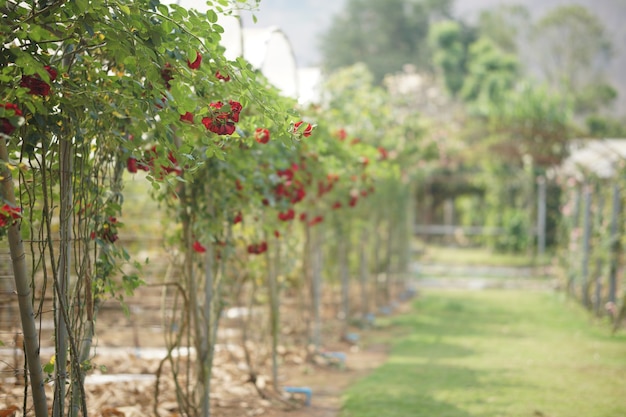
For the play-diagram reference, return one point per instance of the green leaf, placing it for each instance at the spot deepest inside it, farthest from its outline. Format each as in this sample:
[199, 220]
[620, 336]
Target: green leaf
[81, 5]
[211, 16]
[219, 154]
[49, 367]
[163, 9]
[181, 11]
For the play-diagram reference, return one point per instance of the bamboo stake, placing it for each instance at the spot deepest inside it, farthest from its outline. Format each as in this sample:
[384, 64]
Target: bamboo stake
[27, 316]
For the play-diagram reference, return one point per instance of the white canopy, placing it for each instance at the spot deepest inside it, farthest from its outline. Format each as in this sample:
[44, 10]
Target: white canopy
[310, 84]
[599, 156]
[267, 50]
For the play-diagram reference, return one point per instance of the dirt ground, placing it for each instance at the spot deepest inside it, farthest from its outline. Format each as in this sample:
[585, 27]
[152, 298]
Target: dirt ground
[129, 350]
[232, 393]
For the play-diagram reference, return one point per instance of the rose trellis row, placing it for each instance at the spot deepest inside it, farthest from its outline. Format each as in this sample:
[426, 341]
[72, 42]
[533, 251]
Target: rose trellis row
[591, 234]
[238, 169]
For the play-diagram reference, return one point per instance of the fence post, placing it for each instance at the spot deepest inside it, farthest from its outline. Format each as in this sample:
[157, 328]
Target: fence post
[584, 285]
[541, 215]
[597, 274]
[573, 255]
[615, 244]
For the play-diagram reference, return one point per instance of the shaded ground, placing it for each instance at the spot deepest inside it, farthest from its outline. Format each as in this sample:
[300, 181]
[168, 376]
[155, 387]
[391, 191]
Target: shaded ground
[129, 350]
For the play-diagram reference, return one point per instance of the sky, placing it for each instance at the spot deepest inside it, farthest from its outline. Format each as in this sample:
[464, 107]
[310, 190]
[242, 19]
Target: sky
[301, 20]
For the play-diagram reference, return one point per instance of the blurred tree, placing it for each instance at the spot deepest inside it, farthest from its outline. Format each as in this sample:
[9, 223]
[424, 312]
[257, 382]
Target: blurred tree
[605, 127]
[573, 51]
[505, 25]
[449, 48]
[491, 73]
[383, 34]
[525, 133]
[475, 70]
[531, 124]
[594, 97]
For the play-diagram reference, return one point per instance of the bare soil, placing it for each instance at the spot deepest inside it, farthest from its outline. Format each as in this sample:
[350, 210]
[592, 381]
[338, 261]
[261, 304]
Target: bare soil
[129, 349]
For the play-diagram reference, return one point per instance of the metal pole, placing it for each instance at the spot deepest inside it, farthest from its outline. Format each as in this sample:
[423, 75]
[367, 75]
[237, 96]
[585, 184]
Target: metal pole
[541, 216]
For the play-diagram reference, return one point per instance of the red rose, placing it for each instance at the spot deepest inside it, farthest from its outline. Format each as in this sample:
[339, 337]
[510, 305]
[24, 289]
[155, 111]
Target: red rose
[195, 64]
[238, 218]
[224, 78]
[257, 248]
[262, 135]
[316, 220]
[235, 109]
[9, 213]
[307, 130]
[219, 125]
[287, 215]
[6, 126]
[51, 72]
[187, 117]
[172, 158]
[235, 106]
[285, 173]
[197, 246]
[166, 75]
[299, 195]
[131, 165]
[216, 105]
[222, 123]
[36, 85]
[337, 205]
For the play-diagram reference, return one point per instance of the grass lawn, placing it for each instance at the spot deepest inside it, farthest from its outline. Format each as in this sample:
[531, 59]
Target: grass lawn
[495, 354]
[478, 256]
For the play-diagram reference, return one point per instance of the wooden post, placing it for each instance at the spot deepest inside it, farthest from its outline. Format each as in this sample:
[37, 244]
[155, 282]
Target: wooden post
[344, 274]
[541, 216]
[316, 286]
[364, 273]
[584, 284]
[615, 245]
[597, 276]
[571, 273]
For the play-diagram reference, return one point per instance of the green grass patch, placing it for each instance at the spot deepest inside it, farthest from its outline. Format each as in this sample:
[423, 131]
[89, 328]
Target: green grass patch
[478, 256]
[496, 353]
